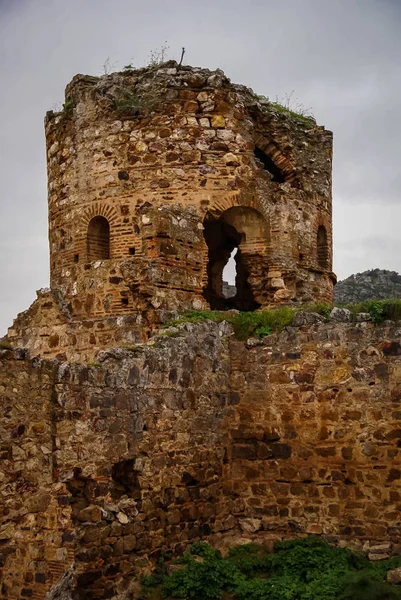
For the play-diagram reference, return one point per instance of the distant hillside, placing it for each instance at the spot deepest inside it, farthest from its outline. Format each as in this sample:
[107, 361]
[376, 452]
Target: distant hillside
[369, 285]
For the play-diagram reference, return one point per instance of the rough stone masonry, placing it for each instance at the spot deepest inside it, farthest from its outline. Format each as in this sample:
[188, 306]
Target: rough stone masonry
[112, 450]
[196, 435]
[155, 177]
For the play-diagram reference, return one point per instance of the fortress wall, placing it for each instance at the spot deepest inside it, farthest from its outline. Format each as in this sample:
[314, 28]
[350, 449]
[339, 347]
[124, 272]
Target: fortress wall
[197, 435]
[49, 329]
[316, 435]
[35, 547]
[142, 453]
[137, 446]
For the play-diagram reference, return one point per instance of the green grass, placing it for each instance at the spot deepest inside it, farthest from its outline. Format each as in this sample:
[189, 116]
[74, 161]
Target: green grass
[246, 324]
[293, 113]
[265, 322]
[319, 307]
[168, 333]
[68, 105]
[303, 569]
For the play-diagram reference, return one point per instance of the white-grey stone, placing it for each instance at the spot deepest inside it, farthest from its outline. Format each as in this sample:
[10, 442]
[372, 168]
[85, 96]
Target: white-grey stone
[306, 318]
[64, 588]
[340, 314]
[363, 317]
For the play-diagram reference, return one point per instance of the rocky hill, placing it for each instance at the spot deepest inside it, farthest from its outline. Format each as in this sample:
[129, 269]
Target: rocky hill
[369, 285]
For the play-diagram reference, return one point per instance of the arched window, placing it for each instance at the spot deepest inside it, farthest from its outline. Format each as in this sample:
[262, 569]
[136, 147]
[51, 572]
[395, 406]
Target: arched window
[322, 248]
[98, 239]
[237, 240]
[269, 165]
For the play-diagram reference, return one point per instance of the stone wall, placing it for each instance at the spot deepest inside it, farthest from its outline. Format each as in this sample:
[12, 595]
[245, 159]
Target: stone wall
[51, 330]
[128, 453]
[316, 430]
[196, 435]
[35, 520]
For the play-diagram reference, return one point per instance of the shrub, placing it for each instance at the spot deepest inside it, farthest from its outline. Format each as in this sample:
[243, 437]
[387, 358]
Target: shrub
[303, 569]
[363, 586]
[206, 575]
[380, 310]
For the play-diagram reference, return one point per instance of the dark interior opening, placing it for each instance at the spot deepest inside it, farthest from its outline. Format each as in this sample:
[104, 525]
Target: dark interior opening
[221, 239]
[125, 479]
[269, 165]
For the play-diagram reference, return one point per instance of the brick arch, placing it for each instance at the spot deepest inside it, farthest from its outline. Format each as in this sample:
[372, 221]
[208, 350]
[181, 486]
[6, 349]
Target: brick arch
[241, 198]
[282, 162]
[98, 209]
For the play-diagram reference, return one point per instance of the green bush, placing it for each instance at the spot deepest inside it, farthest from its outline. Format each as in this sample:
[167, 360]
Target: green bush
[303, 569]
[68, 105]
[379, 310]
[363, 586]
[206, 575]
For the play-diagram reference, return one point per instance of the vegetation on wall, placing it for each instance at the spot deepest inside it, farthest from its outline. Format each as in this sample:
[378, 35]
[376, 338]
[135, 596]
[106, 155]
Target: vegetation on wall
[265, 322]
[302, 569]
[246, 324]
[126, 102]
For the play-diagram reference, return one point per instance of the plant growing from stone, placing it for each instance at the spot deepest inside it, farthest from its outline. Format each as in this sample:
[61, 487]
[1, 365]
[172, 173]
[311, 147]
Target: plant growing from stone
[157, 56]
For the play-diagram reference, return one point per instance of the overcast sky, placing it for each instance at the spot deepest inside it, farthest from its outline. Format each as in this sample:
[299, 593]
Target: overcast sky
[340, 57]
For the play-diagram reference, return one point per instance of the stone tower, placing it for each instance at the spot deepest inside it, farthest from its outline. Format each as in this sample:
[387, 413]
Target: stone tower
[155, 177]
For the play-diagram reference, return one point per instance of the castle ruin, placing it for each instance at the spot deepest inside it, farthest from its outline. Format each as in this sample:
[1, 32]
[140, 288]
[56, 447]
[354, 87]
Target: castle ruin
[155, 177]
[115, 448]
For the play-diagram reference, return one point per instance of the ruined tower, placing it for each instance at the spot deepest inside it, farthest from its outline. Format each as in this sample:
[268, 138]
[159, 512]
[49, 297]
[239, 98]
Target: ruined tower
[155, 177]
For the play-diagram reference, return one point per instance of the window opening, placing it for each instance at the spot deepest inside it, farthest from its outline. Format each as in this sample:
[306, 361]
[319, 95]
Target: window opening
[269, 165]
[322, 248]
[223, 241]
[98, 239]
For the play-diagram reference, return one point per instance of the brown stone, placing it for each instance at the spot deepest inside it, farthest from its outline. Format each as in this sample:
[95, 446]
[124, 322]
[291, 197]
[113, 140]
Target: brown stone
[394, 576]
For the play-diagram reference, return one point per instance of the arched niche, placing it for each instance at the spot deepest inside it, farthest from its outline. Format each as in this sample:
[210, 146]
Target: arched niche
[322, 248]
[98, 239]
